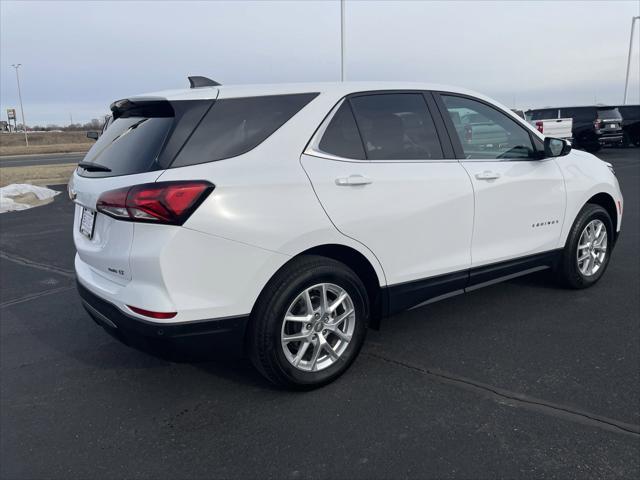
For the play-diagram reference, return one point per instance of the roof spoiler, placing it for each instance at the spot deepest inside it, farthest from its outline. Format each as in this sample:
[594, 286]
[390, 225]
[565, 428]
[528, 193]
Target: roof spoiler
[197, 82]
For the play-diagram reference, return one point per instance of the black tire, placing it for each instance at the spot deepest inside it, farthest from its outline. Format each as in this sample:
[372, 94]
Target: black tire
[264, 335]
[567, 270]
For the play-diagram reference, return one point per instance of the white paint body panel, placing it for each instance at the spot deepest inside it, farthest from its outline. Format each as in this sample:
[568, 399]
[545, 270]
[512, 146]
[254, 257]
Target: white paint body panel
[402, 214]
[517, 214]
[416, 219]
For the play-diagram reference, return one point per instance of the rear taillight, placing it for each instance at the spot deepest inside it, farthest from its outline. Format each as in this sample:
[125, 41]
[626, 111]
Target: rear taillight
[540, 126]
[162, 202]
[597, 123]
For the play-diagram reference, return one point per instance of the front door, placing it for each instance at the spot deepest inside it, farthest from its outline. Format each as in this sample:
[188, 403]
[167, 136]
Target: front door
[519, 198]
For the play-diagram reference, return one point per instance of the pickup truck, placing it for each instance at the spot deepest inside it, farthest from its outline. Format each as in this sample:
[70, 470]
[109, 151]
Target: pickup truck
[548, 122]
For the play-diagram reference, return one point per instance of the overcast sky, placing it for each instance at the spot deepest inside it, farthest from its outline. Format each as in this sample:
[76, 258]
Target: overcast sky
[77, 57]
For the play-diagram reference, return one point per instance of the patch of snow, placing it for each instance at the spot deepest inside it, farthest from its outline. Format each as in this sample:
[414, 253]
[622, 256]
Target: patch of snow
[41, 195]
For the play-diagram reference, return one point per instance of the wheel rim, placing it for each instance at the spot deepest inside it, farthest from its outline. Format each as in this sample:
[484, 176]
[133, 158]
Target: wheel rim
[592, 248]
[318, 327]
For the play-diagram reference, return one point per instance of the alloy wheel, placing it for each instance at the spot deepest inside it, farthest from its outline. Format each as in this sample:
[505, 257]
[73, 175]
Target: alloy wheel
[592, 248]
[318, 327]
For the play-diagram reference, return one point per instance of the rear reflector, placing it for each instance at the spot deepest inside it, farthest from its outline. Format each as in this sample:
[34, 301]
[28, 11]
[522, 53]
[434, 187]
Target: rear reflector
[150, 314]
[162, 202]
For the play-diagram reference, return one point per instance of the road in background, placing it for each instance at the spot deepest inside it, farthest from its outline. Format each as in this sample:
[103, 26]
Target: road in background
[518, 380]
[36, 160]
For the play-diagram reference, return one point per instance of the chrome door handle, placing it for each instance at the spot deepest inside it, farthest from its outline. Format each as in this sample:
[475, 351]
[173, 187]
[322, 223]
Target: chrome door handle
[487, 175]
[352, 180]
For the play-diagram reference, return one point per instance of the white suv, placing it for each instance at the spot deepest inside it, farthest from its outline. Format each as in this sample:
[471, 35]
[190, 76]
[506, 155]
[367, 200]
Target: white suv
[283, 220]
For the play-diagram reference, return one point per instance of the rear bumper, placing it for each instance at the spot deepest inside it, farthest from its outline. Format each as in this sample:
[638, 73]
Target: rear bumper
[201, 338]
[610, 138]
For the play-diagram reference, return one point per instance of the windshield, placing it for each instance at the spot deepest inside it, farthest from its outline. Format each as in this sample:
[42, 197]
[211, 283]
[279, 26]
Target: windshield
[130, 145]
[609, 114]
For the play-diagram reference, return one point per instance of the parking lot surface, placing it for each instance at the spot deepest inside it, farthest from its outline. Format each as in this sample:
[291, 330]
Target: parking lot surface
[521, 379]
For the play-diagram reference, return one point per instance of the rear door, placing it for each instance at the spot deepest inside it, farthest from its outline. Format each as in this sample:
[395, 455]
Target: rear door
[519, 199]
[386, 180]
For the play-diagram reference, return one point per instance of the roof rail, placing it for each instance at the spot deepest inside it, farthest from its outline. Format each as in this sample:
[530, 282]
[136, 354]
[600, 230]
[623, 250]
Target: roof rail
[197, 82]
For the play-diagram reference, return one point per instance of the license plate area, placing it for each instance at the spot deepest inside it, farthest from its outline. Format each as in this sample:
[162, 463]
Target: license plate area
[87, 222]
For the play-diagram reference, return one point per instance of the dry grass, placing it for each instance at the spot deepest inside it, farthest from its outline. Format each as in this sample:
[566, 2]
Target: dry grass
[37, 175]
[60, 148]
[43, 138]
[44, 142]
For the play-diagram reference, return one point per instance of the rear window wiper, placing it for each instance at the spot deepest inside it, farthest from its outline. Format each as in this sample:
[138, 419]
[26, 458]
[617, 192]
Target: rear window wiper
[93, 167]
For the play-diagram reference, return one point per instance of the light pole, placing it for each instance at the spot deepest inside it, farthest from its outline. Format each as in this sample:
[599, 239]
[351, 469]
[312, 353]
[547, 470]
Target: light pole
[24, 125]
[342, 5]
[626, 81]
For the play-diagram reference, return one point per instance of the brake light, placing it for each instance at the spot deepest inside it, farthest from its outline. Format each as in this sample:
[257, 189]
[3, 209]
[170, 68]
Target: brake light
[162, 202]
[150, 314]
[597, 123]
[540, 126]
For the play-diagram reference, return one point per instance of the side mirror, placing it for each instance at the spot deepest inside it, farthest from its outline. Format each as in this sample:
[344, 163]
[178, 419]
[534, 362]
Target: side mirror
[93, 135]
[556, 147]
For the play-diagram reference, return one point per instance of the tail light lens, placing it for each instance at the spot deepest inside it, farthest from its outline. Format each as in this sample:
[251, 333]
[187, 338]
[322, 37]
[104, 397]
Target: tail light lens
[540, 126]
[597, 123]
[162, 202]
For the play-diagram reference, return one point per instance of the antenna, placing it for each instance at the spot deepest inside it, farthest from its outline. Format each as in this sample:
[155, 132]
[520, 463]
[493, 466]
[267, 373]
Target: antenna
[197, 82]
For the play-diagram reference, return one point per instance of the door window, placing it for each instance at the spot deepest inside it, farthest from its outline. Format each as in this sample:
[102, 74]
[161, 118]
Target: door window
[341, 138]
[487, 133]
[396, 126]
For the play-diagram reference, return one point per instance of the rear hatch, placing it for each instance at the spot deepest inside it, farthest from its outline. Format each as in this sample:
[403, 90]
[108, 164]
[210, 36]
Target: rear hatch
[132, 151]
[609, 121]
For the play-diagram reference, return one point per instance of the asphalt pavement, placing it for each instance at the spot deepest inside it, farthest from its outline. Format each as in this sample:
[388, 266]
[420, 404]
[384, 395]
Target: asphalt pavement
[40, 159]
[521, 379]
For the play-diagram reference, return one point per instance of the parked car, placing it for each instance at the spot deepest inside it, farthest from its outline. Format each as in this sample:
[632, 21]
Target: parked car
[283, 220]
[593, 126]
[548, 122]
[630, 124]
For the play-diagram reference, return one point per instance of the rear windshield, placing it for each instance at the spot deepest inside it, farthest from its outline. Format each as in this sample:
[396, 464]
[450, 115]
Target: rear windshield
[151, 136]
[129, 145]
[609, 113]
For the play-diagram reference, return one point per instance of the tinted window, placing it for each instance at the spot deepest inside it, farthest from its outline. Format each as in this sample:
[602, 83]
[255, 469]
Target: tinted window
[341, 137]
[485, 132]
[630, 112]
[609, 113]
[579, 114]
[235, 126]
[545, 114]
[396, 127]
[129, 145]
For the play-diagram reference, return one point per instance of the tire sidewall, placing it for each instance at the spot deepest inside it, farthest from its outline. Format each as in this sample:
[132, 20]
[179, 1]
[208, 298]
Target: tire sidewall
[341, 277]
[592, 212]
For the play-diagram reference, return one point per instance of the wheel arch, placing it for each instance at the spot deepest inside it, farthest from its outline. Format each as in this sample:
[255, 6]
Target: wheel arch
[357, 262]
[607, 202]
